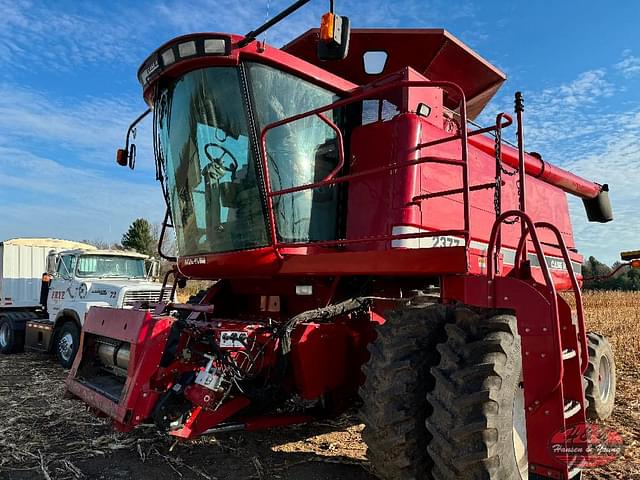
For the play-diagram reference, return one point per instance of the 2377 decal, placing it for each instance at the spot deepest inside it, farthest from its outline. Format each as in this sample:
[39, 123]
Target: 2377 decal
[443, 242]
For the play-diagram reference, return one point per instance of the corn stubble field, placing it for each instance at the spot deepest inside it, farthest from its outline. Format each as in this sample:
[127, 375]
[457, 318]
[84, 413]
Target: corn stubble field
[45, 436]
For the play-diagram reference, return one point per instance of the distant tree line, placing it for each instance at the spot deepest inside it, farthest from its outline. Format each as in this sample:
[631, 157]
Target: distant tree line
[594, 272]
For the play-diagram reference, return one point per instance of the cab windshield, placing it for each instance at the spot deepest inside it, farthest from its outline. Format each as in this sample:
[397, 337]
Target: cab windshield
[110, 266]
[210, 169]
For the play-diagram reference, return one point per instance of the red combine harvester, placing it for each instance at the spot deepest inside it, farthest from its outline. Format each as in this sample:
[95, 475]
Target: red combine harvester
[371, 247]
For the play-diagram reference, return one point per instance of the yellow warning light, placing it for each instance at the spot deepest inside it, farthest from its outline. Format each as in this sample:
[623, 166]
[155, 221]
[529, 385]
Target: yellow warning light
[327, 27]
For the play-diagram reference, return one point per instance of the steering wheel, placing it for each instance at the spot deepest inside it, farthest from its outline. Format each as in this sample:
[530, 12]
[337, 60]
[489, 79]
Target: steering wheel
[218, 159]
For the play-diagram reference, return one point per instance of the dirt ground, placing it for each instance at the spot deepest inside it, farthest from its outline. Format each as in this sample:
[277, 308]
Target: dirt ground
[45, 436]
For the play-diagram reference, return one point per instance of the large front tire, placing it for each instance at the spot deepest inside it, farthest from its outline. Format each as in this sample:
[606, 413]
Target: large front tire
[398, 378]
[67, 342]
[478, 422]
[600, 378]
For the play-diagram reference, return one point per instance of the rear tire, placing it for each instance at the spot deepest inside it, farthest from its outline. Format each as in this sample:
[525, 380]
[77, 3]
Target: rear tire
[600, 378]
[478, 424]
[398, 378]
[11, 340]
[67, 342]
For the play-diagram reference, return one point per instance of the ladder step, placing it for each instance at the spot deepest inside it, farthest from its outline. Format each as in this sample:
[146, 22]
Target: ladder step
[571, 408]
[568, 353]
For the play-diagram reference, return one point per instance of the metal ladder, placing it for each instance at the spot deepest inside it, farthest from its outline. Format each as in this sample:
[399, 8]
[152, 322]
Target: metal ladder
[551, 343]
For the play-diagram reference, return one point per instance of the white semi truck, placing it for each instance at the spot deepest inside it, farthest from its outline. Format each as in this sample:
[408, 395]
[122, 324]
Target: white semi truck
[47, 286]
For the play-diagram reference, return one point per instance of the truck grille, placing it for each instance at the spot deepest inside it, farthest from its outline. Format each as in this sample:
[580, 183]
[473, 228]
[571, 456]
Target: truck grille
[133, 297]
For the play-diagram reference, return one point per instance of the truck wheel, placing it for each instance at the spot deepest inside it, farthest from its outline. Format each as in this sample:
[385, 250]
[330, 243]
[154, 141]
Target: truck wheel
[394, 393]
[601, 378]
[478, 421]
[11, 340]
[67, 342]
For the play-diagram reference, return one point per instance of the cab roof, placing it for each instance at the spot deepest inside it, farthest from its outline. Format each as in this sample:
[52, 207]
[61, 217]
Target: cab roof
[48, 243]
[435, 53]
[115, 253]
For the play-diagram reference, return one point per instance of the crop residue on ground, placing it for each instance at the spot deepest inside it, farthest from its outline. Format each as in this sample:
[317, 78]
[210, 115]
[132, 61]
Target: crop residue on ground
[43, 435]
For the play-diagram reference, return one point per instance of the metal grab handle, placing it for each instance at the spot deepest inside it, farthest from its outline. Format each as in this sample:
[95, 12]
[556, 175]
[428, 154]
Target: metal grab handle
[339, 137]
[530, 229]
[463, 136]
[498, 126]
[340, 165]
[574, 284]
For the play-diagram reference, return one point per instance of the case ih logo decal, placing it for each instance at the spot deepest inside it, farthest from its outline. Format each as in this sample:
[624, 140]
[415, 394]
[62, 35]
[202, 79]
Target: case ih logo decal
[587, 445]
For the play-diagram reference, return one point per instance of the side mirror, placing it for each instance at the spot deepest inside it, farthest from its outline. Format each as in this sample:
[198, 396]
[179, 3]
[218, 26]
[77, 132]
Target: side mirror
[335, 32]
[122, 157]
[155, 269]
[152, 267]
[52, 263]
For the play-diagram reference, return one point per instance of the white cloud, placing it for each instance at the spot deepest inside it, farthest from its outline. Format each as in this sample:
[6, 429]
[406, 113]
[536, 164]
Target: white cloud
[574, 126]
[42, 197]
[92, 127]
[61, 39]
[241, 17]
[629, 65]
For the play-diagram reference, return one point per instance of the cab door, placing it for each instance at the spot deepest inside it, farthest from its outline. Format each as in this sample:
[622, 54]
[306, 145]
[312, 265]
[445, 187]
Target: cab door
[60, 291]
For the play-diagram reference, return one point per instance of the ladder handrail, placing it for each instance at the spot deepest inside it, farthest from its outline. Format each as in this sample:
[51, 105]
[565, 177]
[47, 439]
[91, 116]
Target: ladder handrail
[574, 285]
[492, 257]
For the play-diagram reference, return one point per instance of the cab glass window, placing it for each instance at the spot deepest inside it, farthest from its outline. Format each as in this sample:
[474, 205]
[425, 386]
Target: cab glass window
[211, 173]
[66, 266]
[298, 153]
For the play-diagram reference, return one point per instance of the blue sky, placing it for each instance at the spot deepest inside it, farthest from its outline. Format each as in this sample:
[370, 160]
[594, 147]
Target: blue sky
[68, 91]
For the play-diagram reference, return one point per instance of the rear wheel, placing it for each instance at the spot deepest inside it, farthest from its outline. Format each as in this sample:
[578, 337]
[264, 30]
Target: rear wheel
[478, 421]
[67, 342]
[600, 378]
[398, 378]
[11, 340]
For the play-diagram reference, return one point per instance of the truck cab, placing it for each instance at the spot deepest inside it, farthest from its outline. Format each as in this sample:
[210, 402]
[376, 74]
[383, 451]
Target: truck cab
[81, 279]
[48, 315]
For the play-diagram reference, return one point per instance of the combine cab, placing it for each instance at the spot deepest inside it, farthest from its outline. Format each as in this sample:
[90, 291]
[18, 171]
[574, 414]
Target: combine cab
[369, 242]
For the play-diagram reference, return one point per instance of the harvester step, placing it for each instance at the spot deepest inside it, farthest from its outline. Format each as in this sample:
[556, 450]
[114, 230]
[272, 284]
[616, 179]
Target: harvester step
[571, 408]
[568, 353]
